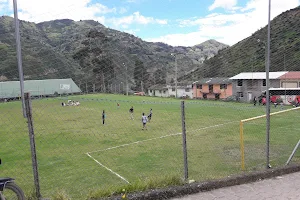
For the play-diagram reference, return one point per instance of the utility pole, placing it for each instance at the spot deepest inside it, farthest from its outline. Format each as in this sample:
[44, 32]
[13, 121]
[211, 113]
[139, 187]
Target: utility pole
[175, 73]
[19, 55]
[175, 76]
[142, 87]
[126, 79]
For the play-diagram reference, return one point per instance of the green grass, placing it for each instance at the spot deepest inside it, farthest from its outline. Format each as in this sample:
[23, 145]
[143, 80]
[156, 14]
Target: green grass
[64, 136]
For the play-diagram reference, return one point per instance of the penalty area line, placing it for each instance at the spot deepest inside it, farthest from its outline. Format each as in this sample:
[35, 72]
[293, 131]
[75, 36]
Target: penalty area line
[115, 147]
[156, 138]
[121, 177]
[140, 141]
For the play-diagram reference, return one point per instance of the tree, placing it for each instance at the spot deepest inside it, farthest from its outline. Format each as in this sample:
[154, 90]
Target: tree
[172, 81]
[160, 76]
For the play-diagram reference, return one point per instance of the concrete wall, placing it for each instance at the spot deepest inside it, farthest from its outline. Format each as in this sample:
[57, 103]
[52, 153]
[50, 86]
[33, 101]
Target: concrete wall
[251, 88]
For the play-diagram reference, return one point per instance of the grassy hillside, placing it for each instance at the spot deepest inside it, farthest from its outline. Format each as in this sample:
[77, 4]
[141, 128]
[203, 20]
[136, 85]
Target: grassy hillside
[248, 55]
[93, 54]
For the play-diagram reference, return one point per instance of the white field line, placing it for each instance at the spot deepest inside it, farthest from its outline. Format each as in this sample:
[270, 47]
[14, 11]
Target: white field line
[88, 153]
[140, 141]
[207, 127]
[121, 177]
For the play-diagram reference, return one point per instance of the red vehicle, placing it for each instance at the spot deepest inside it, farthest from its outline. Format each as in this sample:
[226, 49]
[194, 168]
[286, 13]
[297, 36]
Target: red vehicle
[286, 95]
[139, 93]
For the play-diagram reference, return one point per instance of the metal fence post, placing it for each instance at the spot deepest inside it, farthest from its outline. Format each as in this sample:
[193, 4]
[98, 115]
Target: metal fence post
[32, 144]
[268, 93]
[184, 141]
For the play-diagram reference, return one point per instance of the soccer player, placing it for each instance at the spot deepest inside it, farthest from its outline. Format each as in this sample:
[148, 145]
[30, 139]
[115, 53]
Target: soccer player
[103, 117]
[150, 115]
[131, 113]
[254, 100]
[144, 120]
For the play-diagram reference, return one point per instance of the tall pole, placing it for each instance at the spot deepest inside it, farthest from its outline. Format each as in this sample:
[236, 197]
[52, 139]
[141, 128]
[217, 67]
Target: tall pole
[142, 86]
[175, 76]
[126, 80]
[268, 93]
[19, 55]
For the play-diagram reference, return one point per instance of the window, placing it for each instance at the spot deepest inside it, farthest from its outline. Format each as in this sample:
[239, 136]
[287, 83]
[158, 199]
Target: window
[173, 89]
[240, 94]
[199, 86]
[239, 82]
[264, 83]
[211, 88]
[164, 92]
[150, 91]
[187, 89]
[223, 86]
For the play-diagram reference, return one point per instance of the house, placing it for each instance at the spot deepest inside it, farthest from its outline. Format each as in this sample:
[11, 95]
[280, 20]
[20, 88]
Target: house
[212, 88]
[246, 85]
[290, 80]
[184, 90]
[48, 87]
[158, 91]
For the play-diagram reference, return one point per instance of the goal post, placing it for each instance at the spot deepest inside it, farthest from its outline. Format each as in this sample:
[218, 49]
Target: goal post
[242, 146]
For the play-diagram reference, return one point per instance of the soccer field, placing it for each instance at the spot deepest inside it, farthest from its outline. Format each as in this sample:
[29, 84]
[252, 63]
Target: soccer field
[77, 153]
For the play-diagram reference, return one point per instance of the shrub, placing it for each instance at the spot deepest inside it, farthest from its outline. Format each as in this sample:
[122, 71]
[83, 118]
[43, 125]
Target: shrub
[55, 94]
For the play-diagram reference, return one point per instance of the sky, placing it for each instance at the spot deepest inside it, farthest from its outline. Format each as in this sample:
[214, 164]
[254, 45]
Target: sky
[174, 22]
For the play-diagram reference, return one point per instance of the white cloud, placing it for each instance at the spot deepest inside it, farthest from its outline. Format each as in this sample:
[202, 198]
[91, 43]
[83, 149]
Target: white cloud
[136, 18]
[189, 39]
[161, 21]
[228, 28]
[132, 31]
[42, 10]
[226, 4]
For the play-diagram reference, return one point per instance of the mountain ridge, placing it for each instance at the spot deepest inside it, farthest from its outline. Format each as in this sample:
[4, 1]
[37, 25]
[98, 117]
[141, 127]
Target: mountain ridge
[90, 53]
[248, 55]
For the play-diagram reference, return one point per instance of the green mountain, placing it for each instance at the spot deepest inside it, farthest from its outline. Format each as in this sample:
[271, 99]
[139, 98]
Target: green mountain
[248, 55]
[96, 57]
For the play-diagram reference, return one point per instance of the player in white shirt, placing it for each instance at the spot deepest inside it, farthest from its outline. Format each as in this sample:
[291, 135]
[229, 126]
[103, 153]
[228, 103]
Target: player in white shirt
[144, 120]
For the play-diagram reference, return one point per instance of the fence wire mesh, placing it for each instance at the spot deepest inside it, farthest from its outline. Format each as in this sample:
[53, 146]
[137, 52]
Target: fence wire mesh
[84, 79]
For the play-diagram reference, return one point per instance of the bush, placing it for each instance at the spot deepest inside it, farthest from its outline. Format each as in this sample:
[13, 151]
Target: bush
[55, 94]
[231, 98]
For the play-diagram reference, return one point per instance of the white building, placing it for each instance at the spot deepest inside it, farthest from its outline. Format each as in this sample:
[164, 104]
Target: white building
[183, 90]
[158, 91]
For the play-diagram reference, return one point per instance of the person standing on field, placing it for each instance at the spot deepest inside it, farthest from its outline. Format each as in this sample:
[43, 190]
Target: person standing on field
[131, 113]
[103, 117]
[144, 120]
[254, 100]
[150, 115]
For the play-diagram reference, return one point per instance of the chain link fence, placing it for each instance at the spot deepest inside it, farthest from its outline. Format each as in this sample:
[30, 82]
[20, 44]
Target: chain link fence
[88, 141]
